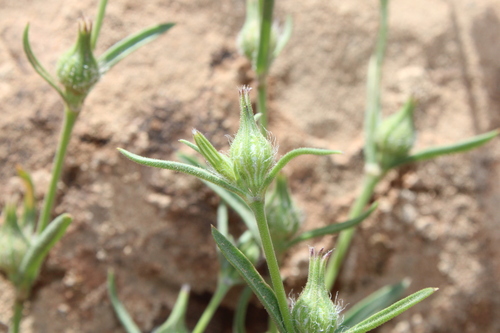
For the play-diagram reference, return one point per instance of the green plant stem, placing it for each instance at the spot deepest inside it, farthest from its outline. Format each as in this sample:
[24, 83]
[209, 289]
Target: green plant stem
[48, 204]
[266, 14]
[218, 296]
[345, 237]
[272, 263]
[17, 316]
[263, 57]
[262, 101]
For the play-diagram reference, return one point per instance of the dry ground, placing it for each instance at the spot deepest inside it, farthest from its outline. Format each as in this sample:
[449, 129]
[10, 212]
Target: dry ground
[438, 221]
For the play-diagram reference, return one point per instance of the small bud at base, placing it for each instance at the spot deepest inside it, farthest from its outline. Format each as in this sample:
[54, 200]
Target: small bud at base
[314, 311]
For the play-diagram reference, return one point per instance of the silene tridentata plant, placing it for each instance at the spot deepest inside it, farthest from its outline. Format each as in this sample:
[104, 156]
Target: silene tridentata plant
[247, 171]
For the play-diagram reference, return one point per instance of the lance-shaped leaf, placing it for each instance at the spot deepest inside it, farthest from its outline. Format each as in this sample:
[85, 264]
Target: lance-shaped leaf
[458, 147]
[129, 44]
[39, 248]
[374, 303]
[36, 64]
[96, 27]
[121, 312]
[284, 37]
[333, 228]
[176, 320]
[291, 155]
[181, 167]
[394, 310]
[191, 145]
[11, 223]
[29, 213]
[255, 281]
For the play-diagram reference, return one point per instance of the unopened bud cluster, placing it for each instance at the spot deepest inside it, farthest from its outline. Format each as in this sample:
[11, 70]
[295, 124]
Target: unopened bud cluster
[395, 136]
[251, 155]
[314, 310]
[77, 69]
[249, 37]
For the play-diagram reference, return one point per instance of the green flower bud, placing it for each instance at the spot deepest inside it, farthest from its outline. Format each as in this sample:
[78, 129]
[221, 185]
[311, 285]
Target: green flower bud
[395, 136]
[13, 244]
[77, 69]
[219, 162]
[251, 152]
[314, 311]
[249, 36]
[283, 217]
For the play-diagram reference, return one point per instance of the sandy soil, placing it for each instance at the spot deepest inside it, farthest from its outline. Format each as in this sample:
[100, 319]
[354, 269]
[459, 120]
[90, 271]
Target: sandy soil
[438, 221]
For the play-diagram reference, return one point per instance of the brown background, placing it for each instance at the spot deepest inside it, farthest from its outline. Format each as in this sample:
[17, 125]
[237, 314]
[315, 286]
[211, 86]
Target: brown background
[438, 221]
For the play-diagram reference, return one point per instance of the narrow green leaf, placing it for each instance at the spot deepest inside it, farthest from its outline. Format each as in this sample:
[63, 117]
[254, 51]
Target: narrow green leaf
[191, 145]
[291, 155]
[374, 303]
[176, 322]
[11, 223]
[458, 147]
[394, 310]
[40, 247]
[184, 168]
[29, 213]
[122, 314]
[129, 44]
[36, 64]
[96, 28]
[241, 311]
[284, 36]
[333, 228]
[255, 281]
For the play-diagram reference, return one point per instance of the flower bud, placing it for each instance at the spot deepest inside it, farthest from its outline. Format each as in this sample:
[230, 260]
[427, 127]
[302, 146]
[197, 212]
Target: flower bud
[251, 152]
[77, 69]
[249, 37]
[395, 136]
[283, 217]
[219, 162]
[314, 311]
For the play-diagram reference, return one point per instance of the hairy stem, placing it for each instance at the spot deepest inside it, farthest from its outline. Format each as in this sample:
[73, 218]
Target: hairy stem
[345, 237]
[272, 263]
[48, 204]
[218, 296]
